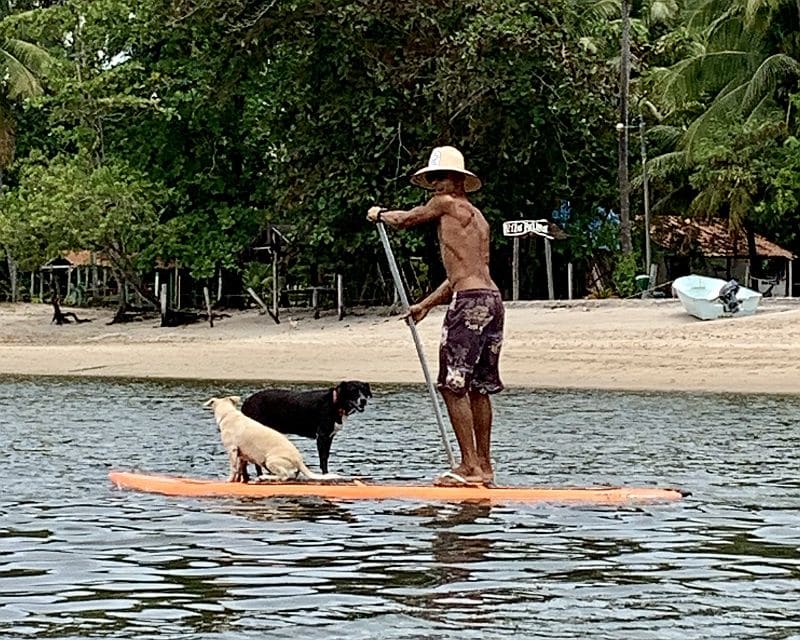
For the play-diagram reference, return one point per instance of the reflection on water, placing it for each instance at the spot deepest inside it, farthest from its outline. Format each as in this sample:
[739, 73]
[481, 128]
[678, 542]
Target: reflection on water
[80, 559]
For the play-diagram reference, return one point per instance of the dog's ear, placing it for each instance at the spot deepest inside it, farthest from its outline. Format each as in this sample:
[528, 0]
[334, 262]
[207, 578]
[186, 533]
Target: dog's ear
[367, 390]
[235, 400]
[210, 402]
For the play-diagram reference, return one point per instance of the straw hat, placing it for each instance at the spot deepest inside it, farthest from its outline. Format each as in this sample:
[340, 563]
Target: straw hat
[446, 159]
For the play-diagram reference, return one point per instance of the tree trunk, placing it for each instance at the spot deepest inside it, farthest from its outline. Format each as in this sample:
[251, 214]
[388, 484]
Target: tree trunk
[12, 275]
[624, 90]
[122, 305]
[125, 277]
[62, 317]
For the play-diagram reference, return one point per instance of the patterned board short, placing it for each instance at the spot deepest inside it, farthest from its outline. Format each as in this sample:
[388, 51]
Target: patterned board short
[472, 335]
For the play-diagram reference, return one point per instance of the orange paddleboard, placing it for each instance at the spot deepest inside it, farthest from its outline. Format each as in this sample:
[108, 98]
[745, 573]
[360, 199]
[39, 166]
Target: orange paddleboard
[355, 490]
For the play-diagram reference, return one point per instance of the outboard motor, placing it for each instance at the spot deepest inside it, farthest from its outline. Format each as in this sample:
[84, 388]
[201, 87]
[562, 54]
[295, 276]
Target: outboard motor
[727, 296]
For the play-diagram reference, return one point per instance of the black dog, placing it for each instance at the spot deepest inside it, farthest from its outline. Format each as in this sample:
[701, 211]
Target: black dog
[311, 414]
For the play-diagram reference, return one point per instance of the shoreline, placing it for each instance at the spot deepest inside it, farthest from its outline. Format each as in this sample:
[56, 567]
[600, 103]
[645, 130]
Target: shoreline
[634, 345]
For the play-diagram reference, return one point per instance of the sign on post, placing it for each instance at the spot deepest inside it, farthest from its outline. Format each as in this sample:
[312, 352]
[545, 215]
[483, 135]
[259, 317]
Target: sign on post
[519, 228]
[515, 228]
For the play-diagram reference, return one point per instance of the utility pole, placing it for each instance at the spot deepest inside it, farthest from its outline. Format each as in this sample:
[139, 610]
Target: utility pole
[622, 128]
[646, 193]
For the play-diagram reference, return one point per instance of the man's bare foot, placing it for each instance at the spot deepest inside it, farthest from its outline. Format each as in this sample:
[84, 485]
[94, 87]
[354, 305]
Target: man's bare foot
[466, 470]
[460, 476]
[452, 479]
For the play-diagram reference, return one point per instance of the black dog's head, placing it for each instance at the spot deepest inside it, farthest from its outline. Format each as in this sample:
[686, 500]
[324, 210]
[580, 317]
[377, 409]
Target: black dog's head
[351, 396]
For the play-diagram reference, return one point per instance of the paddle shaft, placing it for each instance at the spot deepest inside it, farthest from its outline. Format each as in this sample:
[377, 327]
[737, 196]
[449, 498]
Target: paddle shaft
[401, 291]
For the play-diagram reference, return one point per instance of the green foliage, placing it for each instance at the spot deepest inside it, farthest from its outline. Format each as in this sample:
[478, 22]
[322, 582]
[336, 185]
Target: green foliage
[778, 211]
[258, 276]
[179, 131]
[69, 204]
[727, 90]
[627, 267]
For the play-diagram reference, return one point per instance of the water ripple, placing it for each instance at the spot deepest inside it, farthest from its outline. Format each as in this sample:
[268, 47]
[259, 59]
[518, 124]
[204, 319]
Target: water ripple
[80, 559]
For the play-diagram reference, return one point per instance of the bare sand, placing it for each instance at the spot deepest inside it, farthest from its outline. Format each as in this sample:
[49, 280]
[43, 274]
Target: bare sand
[601, 344]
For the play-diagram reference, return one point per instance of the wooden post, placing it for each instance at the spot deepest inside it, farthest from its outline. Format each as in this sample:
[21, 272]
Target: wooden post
[339, 296]
[258, 300]
[13, 274]
[315, 301]
[569, 281]
[219, 285]
[790, 283]
[208, 307]
[262, 304]
[69, 280]
[33, 283]
[515, 270]
[156, 286]
[163, 300]
[94, 275]
[275, 287]
[548, 256]
[653, 276]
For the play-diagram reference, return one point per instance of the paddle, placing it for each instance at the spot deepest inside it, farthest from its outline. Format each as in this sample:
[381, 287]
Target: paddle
[401, 291]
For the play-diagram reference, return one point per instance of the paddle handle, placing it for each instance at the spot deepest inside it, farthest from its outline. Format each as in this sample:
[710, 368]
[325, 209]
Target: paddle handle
[401, 291]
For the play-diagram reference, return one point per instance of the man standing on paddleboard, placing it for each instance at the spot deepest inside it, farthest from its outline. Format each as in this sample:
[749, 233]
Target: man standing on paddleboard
[472, 332]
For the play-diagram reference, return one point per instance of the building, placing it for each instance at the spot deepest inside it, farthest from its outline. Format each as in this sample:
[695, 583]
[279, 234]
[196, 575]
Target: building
[710, 248]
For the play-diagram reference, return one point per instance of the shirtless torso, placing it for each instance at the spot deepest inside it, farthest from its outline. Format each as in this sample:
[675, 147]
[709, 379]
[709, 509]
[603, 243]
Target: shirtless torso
[464, 243]
[463, 240]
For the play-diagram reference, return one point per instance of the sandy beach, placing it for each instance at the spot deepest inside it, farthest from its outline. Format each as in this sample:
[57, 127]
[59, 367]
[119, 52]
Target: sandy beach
[602, 344]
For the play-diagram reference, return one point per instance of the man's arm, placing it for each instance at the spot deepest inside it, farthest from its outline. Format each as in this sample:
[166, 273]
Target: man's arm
[441, 295]
[400, 219]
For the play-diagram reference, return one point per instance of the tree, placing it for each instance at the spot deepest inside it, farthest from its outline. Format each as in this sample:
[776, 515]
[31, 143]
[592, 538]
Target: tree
[71, 204]
[303, 113]
[22, 66]
[727, 103]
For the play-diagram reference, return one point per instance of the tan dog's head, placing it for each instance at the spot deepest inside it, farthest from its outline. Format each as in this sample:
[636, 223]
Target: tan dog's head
[222, 405]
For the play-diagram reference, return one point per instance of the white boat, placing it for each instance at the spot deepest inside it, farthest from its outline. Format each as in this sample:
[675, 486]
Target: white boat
[711, 298]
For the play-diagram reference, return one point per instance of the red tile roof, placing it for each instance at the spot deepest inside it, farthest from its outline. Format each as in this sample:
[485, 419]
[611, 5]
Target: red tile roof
[712, 238]
[84, 258]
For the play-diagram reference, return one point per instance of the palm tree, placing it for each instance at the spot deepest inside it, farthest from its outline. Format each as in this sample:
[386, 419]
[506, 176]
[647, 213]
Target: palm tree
[725, 99]
[22, 64]
[739, 62]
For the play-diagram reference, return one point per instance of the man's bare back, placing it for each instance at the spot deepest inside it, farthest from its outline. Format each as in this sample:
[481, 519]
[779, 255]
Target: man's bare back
[463, 238]
[464, 243]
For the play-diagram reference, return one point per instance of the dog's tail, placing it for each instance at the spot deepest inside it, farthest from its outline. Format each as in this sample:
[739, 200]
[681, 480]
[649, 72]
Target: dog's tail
[311, 475]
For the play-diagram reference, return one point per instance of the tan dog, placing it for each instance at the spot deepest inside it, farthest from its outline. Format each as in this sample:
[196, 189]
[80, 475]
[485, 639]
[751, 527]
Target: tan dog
[249, 441]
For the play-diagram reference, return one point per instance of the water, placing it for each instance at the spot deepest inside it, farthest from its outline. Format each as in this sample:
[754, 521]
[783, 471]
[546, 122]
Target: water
[79, 559]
